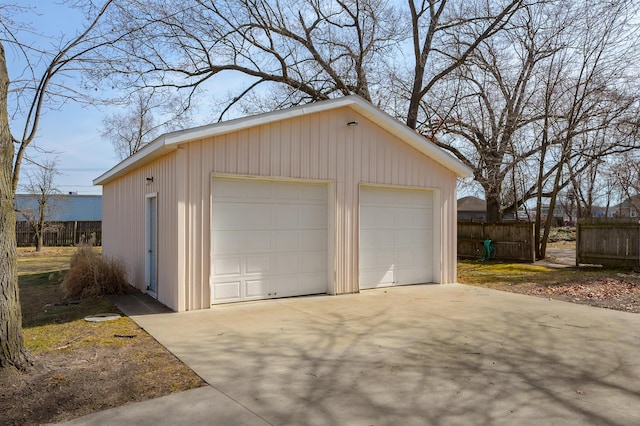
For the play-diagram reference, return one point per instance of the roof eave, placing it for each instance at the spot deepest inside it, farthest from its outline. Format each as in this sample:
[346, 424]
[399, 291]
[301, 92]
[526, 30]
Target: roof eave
[170, 141]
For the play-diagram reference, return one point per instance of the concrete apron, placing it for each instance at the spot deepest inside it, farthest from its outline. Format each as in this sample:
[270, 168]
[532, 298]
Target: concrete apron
[429, 354]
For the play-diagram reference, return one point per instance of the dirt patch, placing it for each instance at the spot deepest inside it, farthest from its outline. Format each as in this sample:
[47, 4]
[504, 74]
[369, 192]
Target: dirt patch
[593, 286]
[622, 294]
[84, 374]
[80, 367]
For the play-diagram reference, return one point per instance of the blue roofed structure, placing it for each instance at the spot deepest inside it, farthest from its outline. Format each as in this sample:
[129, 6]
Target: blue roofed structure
[62, 208]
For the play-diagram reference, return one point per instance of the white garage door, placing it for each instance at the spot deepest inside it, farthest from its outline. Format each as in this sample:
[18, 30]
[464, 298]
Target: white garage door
[269, 239]
[396, 237]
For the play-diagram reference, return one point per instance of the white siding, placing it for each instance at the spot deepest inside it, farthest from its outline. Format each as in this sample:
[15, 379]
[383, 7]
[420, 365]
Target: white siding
[317, 146]
[123, 225]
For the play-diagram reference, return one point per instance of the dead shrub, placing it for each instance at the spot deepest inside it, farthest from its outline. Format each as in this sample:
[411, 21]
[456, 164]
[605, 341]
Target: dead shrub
[92, 275]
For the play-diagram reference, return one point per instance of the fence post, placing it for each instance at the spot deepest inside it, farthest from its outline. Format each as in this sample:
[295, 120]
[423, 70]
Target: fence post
[532, 246]
[577, 242]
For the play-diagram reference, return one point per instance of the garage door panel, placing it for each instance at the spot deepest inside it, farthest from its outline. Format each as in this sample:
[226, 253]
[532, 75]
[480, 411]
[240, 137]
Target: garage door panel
[376, 259]
[403, 238]
[404, 218]
[237, 216]
[286, 263]
[367, 241]
[255, 218]
[403, 258]
[314, 240]
[377, 278]
[223, 266]
[368, 259]
[253, 190]
[258, 264]
[396, 237]
[257, 288]
[229, 242]
[316, 262]
[284, 192]
[312, 217]
[227, 291]
[422, 238]
[257, 241]
[385, 237]
[236, 189]
[285, 240]
[269, 239]
[228, 215]
[286, 285]
[411, 275]
[308, 283]
[373, 239]
[316, 195]
[286, 217]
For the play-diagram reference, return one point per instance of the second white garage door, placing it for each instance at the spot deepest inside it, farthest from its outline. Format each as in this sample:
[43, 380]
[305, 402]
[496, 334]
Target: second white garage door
[396, 237]
[269, 239]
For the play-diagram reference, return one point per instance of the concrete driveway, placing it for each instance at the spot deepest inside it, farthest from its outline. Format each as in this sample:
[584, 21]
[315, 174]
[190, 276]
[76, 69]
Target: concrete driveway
[430, 354]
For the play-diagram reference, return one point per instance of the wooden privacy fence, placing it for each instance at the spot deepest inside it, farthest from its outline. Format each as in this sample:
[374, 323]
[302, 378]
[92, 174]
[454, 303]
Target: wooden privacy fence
[611, 242]
[60, 233]
[513, 240]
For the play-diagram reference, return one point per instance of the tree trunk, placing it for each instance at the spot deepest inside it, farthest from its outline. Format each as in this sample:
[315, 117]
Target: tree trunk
[12, 350]
[492, 196]
[40, 230]
[39, 242]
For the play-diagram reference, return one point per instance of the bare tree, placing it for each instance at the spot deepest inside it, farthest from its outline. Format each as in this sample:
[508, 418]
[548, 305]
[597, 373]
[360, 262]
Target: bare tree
[33, 95]
[624, 173]
[488, 117]
[443, 35]
[149, 114]
[537, 106]
[294, 52]
[44, 199]
[587, 99]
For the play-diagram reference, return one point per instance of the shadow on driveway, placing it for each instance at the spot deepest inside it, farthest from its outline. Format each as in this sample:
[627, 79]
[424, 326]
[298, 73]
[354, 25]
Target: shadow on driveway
[427, 354]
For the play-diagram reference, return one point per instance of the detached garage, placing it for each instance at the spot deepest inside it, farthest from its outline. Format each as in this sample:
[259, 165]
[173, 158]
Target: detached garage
[327, 198]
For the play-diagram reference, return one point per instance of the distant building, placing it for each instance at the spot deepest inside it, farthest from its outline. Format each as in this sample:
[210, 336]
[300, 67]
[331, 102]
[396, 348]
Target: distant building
[472, 208]
[628, 208]
[64, 207]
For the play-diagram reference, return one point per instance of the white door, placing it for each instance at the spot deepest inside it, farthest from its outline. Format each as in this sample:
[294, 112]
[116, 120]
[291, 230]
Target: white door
[268, 238]
[396, 237]
[151, 273]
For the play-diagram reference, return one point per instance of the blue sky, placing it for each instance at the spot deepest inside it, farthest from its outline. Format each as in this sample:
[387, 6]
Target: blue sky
[72, 134]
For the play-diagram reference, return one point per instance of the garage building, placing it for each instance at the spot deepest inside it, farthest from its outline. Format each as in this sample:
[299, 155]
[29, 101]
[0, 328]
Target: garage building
[326, 198]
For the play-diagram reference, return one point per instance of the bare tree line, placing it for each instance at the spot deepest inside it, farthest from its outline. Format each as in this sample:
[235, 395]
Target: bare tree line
[527, 94]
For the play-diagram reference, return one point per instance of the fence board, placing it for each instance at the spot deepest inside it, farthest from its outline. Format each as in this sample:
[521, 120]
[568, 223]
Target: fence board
[514, 240]
[613, 242]
[60, 233]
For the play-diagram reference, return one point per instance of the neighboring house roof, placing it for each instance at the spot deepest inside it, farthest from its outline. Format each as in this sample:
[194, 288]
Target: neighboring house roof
[170, 141]
[633, 201]
[64, 207]
[472, 204]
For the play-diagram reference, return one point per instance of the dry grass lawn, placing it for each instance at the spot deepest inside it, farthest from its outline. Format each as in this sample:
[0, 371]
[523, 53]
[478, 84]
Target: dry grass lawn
[594, 286]
[80, 367]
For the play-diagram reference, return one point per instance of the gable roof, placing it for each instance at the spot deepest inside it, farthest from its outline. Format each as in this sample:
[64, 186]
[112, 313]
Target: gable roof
[472, 204]
[633, 201]
[170, 141]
